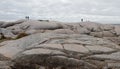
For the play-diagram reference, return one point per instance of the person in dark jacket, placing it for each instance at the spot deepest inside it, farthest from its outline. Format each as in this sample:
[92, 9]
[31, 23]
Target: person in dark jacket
[27, 17]
[82, 20]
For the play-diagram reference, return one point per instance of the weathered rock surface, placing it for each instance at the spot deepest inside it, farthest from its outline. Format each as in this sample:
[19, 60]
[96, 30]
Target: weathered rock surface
[56, 50]
[63, 31]
[8, 24]
[115, 40]
[51, 45]
[5, 33]
[117, 30]
[89, 28]
[34, 24]
[94, 29]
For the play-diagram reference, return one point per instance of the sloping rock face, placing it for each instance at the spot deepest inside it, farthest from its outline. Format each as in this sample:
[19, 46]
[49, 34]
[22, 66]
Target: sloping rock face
[60, 51]
[6, 33]
[62, 31]
[8, 24]
[116, 40]
[39, 44]
[13, 29]
[37, 25]
[32, 26]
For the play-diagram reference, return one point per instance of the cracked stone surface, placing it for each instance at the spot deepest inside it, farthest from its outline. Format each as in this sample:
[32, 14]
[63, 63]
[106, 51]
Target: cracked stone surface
[50, 46]
[54, 50]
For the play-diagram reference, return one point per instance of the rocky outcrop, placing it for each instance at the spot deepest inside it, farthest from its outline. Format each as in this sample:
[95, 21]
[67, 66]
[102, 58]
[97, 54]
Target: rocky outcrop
[89, 28]
[57, 51]
[95, 29]
[51, 45]
[33, 24]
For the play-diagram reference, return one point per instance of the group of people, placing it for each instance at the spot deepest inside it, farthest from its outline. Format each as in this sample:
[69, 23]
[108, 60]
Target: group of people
[27, 17]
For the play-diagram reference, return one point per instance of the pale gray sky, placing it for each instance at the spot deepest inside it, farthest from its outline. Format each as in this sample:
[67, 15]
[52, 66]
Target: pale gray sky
[105, 11]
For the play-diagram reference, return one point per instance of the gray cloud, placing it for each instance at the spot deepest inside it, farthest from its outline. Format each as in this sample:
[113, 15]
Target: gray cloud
[62, 10]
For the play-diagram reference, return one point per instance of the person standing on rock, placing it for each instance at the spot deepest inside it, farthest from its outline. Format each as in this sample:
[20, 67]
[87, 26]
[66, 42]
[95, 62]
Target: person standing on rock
[82, 20]
[27, 17]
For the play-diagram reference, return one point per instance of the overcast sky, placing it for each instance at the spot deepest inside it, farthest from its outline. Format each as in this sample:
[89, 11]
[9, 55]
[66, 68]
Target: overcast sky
[105, 11]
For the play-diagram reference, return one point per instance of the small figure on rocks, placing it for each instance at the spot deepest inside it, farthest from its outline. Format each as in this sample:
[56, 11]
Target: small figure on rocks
[82, 20]
[27, 17]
